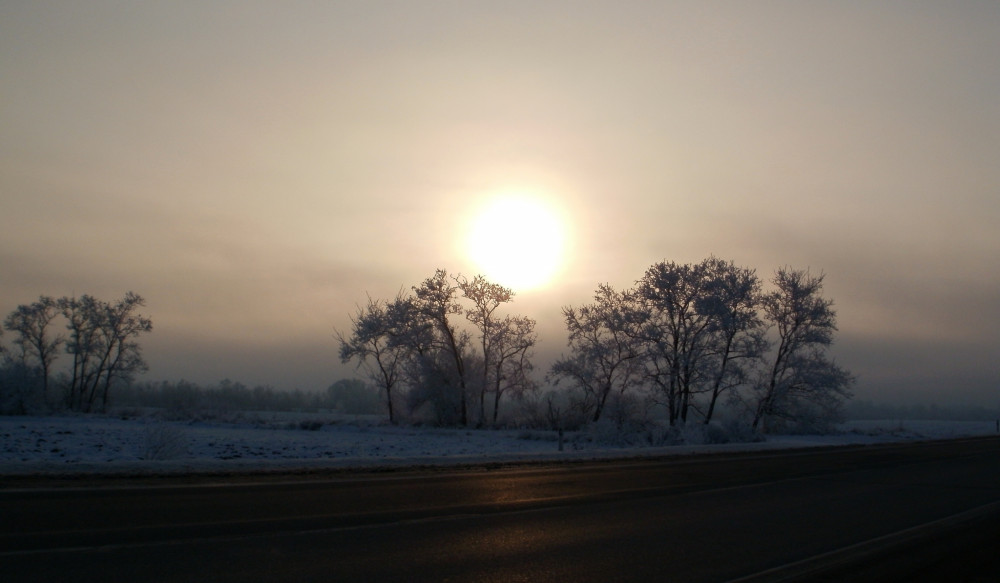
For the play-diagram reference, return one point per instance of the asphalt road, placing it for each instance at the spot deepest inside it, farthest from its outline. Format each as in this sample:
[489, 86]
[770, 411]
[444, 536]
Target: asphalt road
[927, 511]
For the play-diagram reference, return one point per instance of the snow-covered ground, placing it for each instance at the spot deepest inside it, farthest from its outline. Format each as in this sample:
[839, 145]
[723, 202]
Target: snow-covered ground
[266, 441]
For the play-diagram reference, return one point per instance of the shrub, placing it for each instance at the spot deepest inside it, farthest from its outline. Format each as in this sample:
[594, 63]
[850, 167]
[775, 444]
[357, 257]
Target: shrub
[163, 441]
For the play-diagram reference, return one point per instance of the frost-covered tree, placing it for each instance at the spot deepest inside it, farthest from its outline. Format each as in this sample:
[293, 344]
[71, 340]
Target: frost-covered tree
[436, 302]
[372, 343]
[800, 380]
[736, 329]
[604, 353]
[676, 332]
[700, 332]
[505, 343]
[485, 297]
[510, 364]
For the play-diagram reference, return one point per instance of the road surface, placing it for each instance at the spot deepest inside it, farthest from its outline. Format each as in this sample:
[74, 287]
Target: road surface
[876, 513]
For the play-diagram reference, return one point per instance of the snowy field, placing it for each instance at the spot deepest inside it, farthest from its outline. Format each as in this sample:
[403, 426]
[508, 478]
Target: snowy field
[284, 441]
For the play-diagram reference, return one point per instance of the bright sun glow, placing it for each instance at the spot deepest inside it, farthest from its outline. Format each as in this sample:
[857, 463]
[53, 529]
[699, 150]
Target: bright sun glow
[517, 241]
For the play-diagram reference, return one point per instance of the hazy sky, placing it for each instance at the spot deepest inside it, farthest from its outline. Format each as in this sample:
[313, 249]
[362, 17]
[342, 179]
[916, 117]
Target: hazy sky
[255, 168]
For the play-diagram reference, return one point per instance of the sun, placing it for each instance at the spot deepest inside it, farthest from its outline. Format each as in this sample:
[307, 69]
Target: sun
[517, 241]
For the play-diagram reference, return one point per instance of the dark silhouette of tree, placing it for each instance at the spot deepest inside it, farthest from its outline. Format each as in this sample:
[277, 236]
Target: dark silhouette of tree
[372, 343]
[37, 346]
[513, 340]
[505, 342]
[737, 332]
[435, 302]
[700, 332]
[486, 297]
[101, 342]
[676, 331]
[800, 376]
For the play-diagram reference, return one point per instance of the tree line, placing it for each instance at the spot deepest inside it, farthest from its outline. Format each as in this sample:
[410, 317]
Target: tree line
[684, 340]
[188, 400]
[100, 340]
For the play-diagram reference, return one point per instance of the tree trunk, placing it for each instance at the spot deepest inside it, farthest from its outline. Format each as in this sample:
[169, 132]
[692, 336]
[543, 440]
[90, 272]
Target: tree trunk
[718, 379]
[496, 406]
[482, 407]
[600, 403]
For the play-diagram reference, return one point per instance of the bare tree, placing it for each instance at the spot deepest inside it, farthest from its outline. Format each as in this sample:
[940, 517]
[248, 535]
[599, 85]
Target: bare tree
[486, 297]
[123, 355]
[371, 343]
[737, 332]
[511, 346]
[435, 302]
[676, 331]
[82, 316]
[700, 332]
[102, 344]
[800, 375]
[37, 347]
[603, 350]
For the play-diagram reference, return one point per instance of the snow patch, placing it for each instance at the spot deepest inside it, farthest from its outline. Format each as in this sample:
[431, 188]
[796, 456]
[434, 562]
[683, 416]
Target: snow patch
[97, 445]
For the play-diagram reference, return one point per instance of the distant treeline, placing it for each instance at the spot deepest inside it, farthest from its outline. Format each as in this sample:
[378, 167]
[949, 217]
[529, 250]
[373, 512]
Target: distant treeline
[350, 396]
[860, 409]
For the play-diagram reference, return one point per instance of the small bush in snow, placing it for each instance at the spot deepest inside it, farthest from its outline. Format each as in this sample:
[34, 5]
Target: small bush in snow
[659, 433]
[163, 441]
[729, 431]
[131, 413]
[739, 431]
[697, 433]
[538, 435]
[619, 432]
